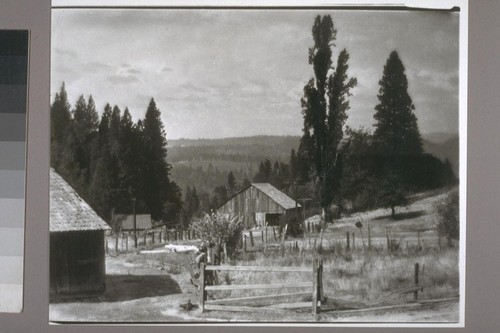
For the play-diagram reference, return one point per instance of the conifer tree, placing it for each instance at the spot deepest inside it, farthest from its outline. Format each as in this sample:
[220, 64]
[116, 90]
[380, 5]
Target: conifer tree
[60, 120]
[397, 137]
[396, 129]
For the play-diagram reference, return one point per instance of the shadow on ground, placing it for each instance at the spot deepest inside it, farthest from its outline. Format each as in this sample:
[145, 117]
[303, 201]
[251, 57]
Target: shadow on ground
[121, 288]
[402, 216]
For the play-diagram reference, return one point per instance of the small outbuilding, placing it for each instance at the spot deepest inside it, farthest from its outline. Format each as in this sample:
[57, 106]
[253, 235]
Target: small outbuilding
[259, 204]
[142, 222]
[77, 254]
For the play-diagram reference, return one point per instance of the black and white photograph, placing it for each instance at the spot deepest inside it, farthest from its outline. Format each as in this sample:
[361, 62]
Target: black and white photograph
[261, 165]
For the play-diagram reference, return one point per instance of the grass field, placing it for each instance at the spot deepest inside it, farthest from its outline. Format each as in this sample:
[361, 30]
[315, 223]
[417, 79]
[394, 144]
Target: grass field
[151, 287]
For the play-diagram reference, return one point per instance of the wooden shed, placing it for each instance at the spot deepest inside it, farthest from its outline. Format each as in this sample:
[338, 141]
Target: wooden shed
[77, 254]
[142, 222]
[258, 204]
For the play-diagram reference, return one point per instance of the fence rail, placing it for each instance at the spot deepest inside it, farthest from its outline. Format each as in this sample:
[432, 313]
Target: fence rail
[315, 283]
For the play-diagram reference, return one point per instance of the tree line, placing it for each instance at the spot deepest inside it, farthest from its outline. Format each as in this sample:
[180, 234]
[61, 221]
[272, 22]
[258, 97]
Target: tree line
[113, 163]
[342, 168]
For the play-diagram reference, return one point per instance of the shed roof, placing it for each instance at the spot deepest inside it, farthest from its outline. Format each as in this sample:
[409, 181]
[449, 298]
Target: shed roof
[276, 195]
[68, 211]
[142, 221]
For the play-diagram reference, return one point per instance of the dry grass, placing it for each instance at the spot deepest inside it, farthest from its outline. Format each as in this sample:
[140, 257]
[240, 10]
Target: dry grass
[361, 275]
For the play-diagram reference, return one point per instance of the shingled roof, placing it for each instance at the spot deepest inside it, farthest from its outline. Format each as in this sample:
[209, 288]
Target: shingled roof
[68, 211]
[276, 195]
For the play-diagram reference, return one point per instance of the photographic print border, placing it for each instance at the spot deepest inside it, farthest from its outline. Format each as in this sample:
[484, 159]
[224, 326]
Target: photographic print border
[375, 5]
[483, 179]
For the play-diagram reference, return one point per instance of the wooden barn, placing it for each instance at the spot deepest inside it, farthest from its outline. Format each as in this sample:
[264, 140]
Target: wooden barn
[259, 204]
[142, 222]
[77, 254]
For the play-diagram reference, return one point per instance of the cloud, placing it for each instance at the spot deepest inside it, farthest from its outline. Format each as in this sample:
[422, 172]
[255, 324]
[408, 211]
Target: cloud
[167, 70]
[122, 79]
[246, 66]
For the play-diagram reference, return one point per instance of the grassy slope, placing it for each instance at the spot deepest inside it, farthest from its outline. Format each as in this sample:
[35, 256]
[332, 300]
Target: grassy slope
[354, 278]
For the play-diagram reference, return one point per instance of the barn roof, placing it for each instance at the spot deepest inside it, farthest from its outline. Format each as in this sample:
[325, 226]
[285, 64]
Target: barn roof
[142, 221]
[276, 195]
[68, 211]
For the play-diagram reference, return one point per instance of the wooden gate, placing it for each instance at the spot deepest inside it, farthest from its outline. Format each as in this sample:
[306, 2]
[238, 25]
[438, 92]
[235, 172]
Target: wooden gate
[315, 282]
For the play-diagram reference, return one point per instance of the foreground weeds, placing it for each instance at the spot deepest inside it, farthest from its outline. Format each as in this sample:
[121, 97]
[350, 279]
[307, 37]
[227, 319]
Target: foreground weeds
[370, 278]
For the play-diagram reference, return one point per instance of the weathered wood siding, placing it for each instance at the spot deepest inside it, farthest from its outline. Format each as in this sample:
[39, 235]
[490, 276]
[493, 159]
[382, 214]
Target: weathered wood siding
[77, 262]
[249, 202]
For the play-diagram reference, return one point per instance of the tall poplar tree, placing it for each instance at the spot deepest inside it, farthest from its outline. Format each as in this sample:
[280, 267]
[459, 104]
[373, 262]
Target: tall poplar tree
[324, 107]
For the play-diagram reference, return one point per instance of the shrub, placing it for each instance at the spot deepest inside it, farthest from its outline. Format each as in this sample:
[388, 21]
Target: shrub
[295, 225]
[216, 229]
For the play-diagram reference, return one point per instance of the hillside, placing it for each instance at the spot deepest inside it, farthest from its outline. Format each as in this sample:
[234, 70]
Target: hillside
[443, 149]
[205, 163]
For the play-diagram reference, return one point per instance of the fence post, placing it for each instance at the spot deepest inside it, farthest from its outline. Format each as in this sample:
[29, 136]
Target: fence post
[107, 249]
[145, 238]
[153, 239]
[353, 241]
[225, 253]
[116, 243]
[415, 293]
[315, 288]
[126, 243]
[321, 296]
[202, 287]
[244, 243]
[262, 235]
[265, 239]
[251, 238]
[388, 240]
[274, 233]
[321, 240]
[369, 238]
[347, 236]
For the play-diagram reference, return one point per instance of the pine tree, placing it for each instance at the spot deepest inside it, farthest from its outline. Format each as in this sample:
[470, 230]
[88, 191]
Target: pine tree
[161, 196]
[396, 129]
[231, 183]
[397, 137]
[60, 121]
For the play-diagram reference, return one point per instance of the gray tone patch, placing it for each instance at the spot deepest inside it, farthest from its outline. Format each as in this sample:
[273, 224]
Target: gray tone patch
[13, 98]
[11, 242]
[12, 127]
[12, 155]
[12, 213]
[11, 184]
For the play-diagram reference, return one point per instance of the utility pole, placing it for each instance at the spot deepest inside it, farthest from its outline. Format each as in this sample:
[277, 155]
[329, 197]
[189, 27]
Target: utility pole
[303, 201]
[135, 222]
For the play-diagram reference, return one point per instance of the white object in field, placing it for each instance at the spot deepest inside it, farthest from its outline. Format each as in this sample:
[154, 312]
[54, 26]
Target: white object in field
[174, 248]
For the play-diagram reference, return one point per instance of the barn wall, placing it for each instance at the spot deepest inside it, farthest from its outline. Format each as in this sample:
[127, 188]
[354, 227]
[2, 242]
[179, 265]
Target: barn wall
[77, 262]
[249, 202]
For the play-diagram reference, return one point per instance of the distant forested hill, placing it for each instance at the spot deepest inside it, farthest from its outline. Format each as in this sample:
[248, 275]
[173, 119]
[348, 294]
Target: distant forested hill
[205, 163]
[443, 147]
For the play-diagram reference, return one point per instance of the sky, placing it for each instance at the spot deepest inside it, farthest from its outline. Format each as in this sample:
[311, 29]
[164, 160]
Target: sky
[232, 73]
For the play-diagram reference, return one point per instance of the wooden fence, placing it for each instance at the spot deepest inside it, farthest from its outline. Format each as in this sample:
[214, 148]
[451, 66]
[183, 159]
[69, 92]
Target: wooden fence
[231, 304]
[124, 241]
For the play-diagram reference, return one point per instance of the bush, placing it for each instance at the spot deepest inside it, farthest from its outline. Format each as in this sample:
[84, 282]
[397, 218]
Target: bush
[449, 218]
[295, 225]
[216, 229]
